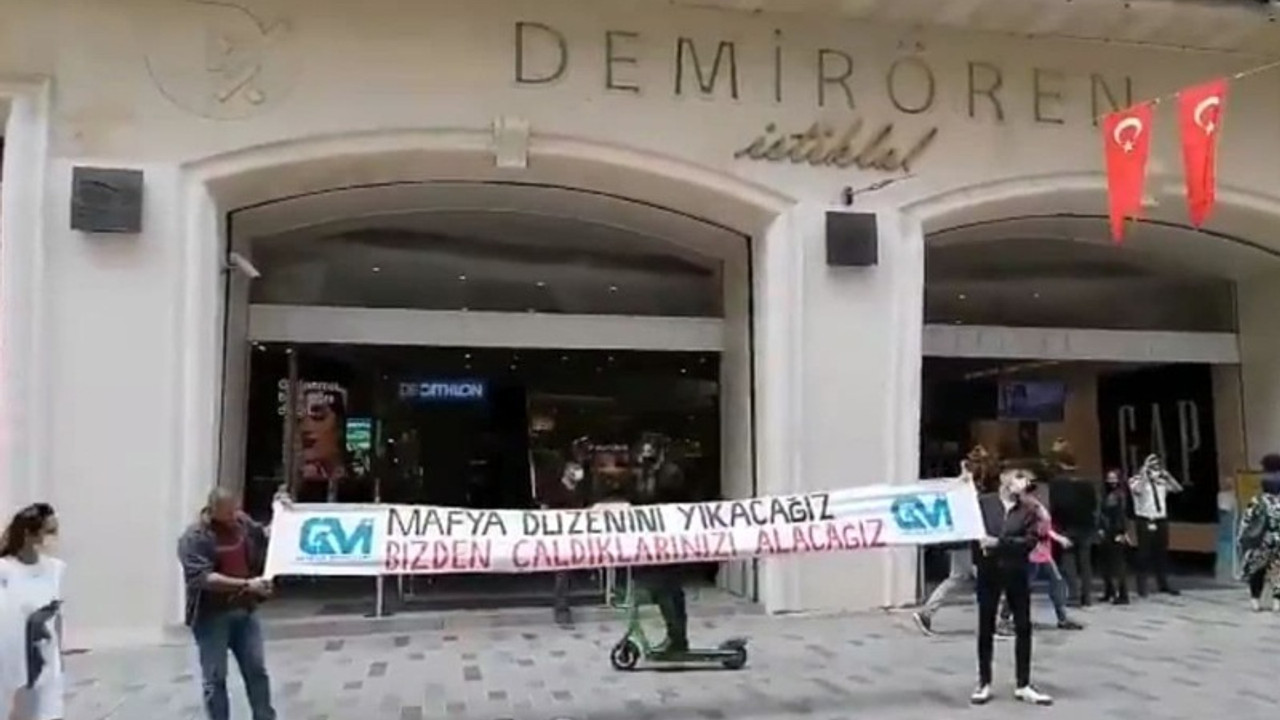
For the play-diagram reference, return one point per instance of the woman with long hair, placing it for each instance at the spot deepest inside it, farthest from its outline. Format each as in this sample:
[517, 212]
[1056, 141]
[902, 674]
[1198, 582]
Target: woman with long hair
[31, 579]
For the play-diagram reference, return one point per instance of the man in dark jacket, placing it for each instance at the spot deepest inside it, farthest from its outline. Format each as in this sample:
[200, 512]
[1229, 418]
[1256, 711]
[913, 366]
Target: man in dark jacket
[661, 481]
[1001, 559]
[222, 558]
[1073, 503]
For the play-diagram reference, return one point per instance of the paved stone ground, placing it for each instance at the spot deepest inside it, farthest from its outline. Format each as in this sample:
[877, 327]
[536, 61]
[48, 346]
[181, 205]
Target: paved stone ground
[1203, 653]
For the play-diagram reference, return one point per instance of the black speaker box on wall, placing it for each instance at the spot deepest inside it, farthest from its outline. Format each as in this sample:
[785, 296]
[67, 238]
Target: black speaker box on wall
[852, 239]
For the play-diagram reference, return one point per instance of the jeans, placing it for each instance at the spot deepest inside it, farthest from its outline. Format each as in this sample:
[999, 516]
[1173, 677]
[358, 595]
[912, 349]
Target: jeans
[238, 633]
[960, 580]
[995, 582]
[1057, 589]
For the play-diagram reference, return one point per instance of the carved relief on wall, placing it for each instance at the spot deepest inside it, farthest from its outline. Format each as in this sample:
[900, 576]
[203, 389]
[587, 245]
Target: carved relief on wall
[221, 59]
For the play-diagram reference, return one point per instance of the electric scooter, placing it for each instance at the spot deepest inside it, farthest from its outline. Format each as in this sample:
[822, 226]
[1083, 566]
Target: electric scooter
[635, 646]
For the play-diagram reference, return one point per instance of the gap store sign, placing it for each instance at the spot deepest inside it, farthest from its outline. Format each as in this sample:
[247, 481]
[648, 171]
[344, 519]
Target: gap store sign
[444, 391]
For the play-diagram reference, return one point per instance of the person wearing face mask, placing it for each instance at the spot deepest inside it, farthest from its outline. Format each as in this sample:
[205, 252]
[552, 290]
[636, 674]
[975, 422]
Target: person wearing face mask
[31, 579]
[1150, 488]
[1001, 557]
[1114, 543]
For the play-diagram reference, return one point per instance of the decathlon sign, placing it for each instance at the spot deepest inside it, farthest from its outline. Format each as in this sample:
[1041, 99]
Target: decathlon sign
[444, 391]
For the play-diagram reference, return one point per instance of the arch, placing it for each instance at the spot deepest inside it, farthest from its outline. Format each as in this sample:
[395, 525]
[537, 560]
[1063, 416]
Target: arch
[315, 164]
[211, 187]
[1240, 214]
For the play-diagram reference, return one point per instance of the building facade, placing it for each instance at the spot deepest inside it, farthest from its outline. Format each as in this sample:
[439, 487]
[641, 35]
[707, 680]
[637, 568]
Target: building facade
[758, 125]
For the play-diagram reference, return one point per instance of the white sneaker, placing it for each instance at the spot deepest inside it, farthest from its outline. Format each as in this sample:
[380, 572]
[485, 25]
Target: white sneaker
[1256, 604]
[1275, 605]
[1029, 694]
[981, 695]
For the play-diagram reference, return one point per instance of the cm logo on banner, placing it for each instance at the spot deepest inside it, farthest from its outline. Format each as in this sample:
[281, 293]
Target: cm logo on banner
[923, 514]
[330, 539]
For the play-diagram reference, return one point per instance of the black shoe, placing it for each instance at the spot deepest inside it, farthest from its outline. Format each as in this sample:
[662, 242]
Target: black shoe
[1170, 591]
[564, 618]
[1069, 624]
[1122, 600]
[1086, 601]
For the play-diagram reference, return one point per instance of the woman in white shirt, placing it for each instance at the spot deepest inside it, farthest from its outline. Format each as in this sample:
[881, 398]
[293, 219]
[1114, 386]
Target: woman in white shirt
[31, 581]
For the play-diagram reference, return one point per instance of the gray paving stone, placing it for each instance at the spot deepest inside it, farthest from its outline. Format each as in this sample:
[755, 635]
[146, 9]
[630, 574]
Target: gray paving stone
[1196, 656]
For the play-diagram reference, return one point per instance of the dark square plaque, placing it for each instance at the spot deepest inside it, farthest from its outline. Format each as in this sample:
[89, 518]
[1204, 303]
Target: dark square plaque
[106, 200]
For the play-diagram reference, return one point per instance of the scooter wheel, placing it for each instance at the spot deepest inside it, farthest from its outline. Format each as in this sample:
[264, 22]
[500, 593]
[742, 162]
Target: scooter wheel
[624, 655]
[737, 660]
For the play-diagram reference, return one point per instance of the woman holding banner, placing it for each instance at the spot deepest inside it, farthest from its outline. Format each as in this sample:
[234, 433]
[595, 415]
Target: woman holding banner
[1012, 530]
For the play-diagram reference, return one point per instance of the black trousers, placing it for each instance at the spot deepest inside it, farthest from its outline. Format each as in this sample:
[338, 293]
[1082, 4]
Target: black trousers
[1115, 567]
[1258, 582]
[1077, 564]
[1153, 553]
[1012, 583]
[563, 584]
[667, 588]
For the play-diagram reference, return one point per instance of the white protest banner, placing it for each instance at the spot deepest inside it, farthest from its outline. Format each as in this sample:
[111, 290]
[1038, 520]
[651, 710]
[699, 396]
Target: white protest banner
[339, 539]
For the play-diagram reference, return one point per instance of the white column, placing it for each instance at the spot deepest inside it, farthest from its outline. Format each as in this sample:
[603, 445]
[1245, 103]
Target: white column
[778, 285]
[735, 408]
[23, 416]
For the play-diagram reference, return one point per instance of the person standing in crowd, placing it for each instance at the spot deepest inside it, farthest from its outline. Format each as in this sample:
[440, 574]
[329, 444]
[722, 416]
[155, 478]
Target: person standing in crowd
[1113, 532]
[661, 482]
[569, 494]
[1073, 501]
[962, 577]
[1150, 488]
[1259, 539]
[223, 554]
[1041, 565]
[1001, 557]
[31, 579]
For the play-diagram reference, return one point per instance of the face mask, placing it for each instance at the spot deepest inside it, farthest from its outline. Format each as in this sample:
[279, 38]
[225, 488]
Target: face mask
[48, 544]
[1017, 486]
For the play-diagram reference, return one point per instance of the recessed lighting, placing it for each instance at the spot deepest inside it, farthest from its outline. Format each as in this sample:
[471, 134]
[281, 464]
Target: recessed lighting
[1035, 295]
[962, 296]
[513, 366]
[599, 369]
[462, 278]
[613, 288]
[532, 310]
[610, 358]
[540, 284]
[564, 358]
[377, 269]
[467, 366]
[684, 371]
[467, 356]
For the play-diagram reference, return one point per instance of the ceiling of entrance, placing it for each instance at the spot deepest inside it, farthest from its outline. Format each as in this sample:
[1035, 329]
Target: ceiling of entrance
[1064, 271]
[490, 248]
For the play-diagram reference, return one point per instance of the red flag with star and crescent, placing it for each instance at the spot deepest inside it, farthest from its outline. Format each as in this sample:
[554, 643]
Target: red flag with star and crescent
[1127, 135]
[1200, 123]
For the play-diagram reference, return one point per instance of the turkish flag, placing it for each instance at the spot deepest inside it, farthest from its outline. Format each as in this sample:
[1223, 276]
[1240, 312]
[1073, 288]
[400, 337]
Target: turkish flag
[1200, 122]
[1127, 135]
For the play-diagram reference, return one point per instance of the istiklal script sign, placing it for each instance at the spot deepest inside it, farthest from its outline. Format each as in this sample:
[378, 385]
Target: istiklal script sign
[829, 78]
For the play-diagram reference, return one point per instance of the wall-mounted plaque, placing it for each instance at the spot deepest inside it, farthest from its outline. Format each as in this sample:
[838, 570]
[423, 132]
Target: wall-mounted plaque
[106, 200]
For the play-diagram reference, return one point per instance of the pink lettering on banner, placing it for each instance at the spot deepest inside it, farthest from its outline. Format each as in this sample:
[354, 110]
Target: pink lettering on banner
[428, 556]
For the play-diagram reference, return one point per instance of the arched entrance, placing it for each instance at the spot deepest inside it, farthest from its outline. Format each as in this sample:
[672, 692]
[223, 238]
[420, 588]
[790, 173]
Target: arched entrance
[359, 239]
[1145, 346]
